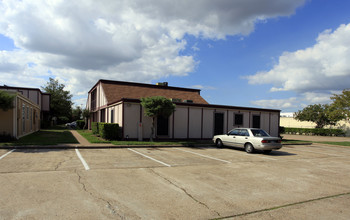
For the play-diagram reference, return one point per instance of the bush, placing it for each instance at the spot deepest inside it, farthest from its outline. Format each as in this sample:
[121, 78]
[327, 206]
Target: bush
[94, 127]
[109, 131]
[6, 138]
[80, 124]
[45, 124]
[315, 131]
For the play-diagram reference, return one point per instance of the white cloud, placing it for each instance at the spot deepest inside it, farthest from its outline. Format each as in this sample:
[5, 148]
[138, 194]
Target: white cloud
[296, 103]
[80, 42]
[277, 103]
[322, 67]
[201, 87]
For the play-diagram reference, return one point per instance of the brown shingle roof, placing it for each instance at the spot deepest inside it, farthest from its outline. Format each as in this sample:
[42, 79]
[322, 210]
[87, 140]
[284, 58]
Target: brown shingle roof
[117, 90]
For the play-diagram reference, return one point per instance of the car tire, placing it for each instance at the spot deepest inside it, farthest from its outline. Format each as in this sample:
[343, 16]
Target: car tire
[267, 151]
[249, 148]
[219, 143]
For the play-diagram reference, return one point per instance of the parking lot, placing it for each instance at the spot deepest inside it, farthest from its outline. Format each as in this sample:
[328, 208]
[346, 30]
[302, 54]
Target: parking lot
[296, 182]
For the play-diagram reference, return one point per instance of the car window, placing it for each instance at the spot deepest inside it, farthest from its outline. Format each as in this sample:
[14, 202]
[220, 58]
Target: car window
[234, 132]
[244, 132]
[259, 133]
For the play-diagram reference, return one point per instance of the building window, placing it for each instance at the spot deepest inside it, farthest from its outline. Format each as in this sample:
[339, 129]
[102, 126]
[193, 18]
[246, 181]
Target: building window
[112, 116]
[93, 100]
[23, 118]
[103, 115]
[238, 119]
[31, 119]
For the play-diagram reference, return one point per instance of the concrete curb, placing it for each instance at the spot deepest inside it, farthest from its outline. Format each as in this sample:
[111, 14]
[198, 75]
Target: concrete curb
[71, 146]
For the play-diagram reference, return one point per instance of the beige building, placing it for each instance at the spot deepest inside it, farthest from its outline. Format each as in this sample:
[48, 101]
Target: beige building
[291, 122]
[194, 118]
[30, 107]
[22, 119]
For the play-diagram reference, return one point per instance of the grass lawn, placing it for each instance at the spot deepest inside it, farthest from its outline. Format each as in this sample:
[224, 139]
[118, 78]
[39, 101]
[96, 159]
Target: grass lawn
[343, 143]
[87, 134]
[45, 137]
[295, 142]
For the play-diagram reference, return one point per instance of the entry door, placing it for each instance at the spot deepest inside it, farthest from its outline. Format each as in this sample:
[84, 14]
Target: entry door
[256, 121]
[162, 126]
[218, 123]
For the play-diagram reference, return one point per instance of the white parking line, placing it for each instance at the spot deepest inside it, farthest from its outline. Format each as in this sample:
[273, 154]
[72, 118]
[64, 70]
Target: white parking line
[82, 159]
[165, 164]
[336, 155]
[7, 154]
[203, 155]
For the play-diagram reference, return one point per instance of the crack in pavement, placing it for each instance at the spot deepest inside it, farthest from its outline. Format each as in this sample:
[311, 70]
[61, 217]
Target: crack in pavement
[109, 204]
[60, 163]
[185, 191]
[284, 206]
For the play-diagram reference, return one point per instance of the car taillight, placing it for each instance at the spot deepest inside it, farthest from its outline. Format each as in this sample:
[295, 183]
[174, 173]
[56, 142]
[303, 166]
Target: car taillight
[279, 141]
[264, 141]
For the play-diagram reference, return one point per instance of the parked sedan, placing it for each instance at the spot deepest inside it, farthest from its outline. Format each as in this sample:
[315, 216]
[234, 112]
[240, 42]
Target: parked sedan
[250, 139]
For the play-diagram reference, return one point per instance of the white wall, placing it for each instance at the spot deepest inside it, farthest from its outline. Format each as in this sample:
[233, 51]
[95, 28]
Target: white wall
[180, 122]
[195, 125]
[200, 124]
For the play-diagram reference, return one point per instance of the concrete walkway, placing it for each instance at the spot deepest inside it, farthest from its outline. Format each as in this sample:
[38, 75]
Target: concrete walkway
[85, 143]
[315, 138]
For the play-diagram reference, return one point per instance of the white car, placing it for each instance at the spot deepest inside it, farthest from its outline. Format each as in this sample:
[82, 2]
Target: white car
[250, 139]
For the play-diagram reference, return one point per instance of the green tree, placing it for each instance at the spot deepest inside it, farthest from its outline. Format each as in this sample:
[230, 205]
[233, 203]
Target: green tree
[61, 101]
[322, 115]
[76, 113]
[6, 100]
[86, 115]
[157, 106]
[341, 104]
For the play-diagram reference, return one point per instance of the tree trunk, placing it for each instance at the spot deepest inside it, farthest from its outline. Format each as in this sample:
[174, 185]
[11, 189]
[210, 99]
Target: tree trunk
[152, 130]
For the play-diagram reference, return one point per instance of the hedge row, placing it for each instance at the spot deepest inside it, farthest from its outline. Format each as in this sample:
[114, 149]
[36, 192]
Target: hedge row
[314, 131]
[109, 131]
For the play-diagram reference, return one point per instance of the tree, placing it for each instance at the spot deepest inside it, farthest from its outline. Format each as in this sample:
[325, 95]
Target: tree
[341, 104]
[86, 115]
[76, 113]
[61, 103]
[6, 100]
[322, 115]
[157, 106]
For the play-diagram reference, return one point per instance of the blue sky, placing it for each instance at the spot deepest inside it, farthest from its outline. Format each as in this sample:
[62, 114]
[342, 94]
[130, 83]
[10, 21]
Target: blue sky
[263, 53]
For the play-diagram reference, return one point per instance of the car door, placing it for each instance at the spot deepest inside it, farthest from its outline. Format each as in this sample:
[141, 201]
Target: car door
[242, 137]
[230, 138]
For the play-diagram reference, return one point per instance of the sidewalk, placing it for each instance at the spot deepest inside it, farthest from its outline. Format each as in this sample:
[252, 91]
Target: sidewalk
[315, 138]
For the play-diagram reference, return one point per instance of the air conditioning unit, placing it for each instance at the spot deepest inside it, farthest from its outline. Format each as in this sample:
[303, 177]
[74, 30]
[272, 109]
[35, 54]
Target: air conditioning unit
[162, 84]
[188, 101]
[176, 100]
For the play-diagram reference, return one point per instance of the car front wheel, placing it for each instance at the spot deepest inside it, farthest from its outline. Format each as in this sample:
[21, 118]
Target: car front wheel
[249, 148]
[219, 143]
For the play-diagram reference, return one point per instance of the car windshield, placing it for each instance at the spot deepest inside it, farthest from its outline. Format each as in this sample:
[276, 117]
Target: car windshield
[259, 133]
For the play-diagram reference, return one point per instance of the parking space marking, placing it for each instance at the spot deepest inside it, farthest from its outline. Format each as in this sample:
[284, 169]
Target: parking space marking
[336, 155]
[86, 166]
[7, 154]
[269, 158]
[202, 155]
[165, 164]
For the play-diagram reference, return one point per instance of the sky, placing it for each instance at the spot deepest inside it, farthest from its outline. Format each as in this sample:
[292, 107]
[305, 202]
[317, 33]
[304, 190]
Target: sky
[275, 54]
